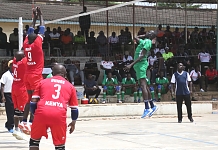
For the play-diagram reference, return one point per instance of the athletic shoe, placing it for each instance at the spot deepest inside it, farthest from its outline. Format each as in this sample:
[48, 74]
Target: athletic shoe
[146, 113]
[135, 101]
[191, 119]
[179, 121]
[21, 125]
[119, 101]
[103, 101]
[18, 135]
[10, 130]
[139, 101]
[27, 128]
[154, 109]
[201, 90]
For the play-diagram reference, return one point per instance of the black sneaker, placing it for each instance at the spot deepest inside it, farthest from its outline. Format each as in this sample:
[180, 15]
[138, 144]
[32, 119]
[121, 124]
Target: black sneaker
[135, 101]
[191, 119]
[180, 121]
[158, 100]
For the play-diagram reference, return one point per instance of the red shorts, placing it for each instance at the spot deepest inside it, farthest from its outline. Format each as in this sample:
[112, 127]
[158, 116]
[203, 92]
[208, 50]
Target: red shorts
[32, 81]
[19, 98]
[58, 130]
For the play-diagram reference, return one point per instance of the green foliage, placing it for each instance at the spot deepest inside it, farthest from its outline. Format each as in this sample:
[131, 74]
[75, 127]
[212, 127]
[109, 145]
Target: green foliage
[178, 5]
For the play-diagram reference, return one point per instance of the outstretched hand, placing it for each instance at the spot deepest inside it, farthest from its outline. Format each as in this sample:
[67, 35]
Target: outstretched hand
[127, 68]
[34, 12]
[39, 12]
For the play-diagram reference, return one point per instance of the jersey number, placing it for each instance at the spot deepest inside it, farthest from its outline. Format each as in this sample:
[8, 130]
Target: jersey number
[29, 56]
[15, 72]
[57, 91]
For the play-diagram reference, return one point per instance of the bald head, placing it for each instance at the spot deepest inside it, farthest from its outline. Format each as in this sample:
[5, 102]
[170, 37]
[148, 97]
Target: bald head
[59, 70]
[19, 55]
[32, 37]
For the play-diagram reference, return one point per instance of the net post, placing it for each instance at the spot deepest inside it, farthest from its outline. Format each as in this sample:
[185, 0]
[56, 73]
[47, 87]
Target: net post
[108, 48]
[217, 37]
[133, 26]
[186, 36]
[20, 29]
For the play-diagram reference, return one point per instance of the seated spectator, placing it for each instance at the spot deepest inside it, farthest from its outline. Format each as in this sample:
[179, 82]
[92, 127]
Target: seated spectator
[128, 34]
[54, 40]
[74, 71]
[60, 31]
[160, 34]
[67, 42]
[79, 42]
[91, 88]
[129, 87]
[71, 34]
[151, 59]
[110, 87]
[168, 36]
[47, 34]
[194, 38]
[108, 66]
[168, 58]
[196, 79]
[92, 44]
[50, 74]
[162, 85]
[3, 41]
[123, 41]
[141, 31]
[91, 67]
[182, 57]
[159, 48]
[102, 43]
[183, 36]
[205, 59]
[14, 41]
[211, 76]
[113, 41]
[176, 36]
[127, 59]
[159, 66]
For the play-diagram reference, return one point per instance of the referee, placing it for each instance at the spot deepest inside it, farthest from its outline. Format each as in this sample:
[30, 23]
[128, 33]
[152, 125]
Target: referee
[182, 79]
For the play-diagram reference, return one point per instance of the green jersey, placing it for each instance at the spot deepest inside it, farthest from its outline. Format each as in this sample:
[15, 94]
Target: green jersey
[131, 81]
[143, 44]
[162, 81]
[107, 82]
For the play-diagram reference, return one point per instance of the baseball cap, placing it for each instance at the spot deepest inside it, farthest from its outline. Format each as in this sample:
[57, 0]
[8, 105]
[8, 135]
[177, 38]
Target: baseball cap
[10, 62]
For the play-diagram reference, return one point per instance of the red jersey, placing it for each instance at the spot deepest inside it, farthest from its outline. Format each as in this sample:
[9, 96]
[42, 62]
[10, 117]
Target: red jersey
[35, 56]
[19, 69]
[55, 94]
[211, 74]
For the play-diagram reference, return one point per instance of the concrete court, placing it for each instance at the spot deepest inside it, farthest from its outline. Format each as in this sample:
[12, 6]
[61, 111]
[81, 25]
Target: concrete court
[131, 133]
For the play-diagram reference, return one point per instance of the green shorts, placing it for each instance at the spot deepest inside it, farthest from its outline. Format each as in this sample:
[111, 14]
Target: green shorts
[141, 70]
[110, 92]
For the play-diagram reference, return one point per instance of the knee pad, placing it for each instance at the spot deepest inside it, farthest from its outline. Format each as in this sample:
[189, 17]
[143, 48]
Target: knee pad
[34, 143]
[169, 87]
[159, 87]
[60, 147]
[151, 88]
[18, 113]
[105, 87]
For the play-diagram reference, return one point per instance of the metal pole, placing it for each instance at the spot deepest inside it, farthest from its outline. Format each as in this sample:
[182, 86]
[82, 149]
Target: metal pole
[133, 17]
[217, 37]
[186, 36]
[20, 27]
[83, 3]
[107, 27]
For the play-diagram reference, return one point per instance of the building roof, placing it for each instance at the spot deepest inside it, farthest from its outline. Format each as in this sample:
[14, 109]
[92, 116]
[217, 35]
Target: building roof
[10, 12]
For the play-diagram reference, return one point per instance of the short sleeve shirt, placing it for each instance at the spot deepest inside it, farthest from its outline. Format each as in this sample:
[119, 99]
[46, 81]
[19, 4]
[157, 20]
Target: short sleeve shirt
[107, 82]
[162, 81]
[19, 68]
[90, 83]
[143, 44]
[126, 81]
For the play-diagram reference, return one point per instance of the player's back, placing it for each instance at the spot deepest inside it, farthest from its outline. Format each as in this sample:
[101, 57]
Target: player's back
[143, 44]
[55, 94]
[19, 69]
[34, 54]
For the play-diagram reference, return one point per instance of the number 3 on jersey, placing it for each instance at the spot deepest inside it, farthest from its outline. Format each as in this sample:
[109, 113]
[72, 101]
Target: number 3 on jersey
[57, 91]
[29, 56]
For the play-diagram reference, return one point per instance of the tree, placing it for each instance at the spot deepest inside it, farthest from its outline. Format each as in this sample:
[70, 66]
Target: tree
[178, 5]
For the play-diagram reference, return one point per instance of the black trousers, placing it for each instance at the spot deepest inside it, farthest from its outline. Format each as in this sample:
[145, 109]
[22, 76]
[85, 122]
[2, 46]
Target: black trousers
[9, 107]
[179, 101]
[91, 92]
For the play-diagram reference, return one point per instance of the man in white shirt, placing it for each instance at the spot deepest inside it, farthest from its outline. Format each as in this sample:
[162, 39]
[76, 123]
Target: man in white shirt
[54, 39]
[113, 41]
[6, 85]
[204, 58]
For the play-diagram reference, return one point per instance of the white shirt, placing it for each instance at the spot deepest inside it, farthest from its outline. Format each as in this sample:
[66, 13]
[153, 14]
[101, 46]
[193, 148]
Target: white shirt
[173, 79]
[204, 57]
[47, 71]
[107, 64]
[129, 58]
[194, 75]
[53, 36]
[159, 50]
[7, 80]
[151, 60]
[112, 39]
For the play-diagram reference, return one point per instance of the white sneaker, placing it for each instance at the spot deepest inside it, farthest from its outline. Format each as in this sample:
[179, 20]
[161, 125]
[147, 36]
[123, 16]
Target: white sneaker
[103, 102]
[201, 90]
[21, 125]
[2, 104]
[27, 128]
[18, 135]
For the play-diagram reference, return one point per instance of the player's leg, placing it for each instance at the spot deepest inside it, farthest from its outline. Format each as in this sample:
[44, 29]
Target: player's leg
[188, 106]
[9, 108]
[159, 87]
[152, 93]
[117, 91]
[104, 94]
[154, 108]
[179, 101]
[134, 89]
[58, 132]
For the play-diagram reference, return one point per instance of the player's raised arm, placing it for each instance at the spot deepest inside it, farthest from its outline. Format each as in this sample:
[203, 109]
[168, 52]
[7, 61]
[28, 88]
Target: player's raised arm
[32, 25]
[42, 24]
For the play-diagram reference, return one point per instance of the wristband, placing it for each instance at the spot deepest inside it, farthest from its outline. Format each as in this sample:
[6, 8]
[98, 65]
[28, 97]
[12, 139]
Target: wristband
[74, 113]
[33, 106]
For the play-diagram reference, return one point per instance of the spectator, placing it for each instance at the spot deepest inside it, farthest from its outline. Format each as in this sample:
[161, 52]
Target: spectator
[210, 76]
[160, 34]
[127, 59]
[25, 31]
[129, 87]
[14, 42]
[60, 31]
[212, 33]
[123, 40]
[128, 34]
[91, 88]
[168, 36]
[67, 42]
[194, 37]
[109, 85]
[162, 85]
[79, 42]
[102, 43]
[54, 39]
[51, 67]
[196, 79]
[113, 41]
[3, 41]
[71, 34]
[141, 31]
[151, 59]
[92, 44]
[204, 58]
[168, 57]
[74, 71]
[182, 57]
[6, 85]
[176, 36]
[91, 67]
[159, 48]
[84, 23]
[47, 34]
[203, 36]
[183, 35]
[108, 66]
